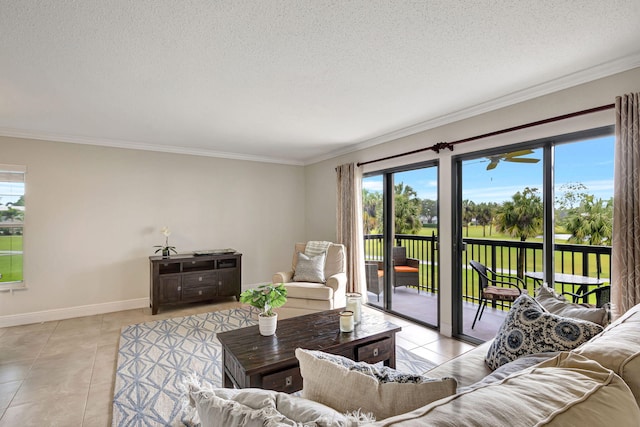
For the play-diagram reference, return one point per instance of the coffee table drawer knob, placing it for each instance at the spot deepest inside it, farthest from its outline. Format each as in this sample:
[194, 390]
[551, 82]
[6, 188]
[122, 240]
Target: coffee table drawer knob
[288, 380]
[375, 352]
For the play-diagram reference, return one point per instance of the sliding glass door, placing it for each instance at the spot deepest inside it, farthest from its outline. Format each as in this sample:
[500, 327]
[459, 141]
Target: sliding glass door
[533, 213]
[400, 214]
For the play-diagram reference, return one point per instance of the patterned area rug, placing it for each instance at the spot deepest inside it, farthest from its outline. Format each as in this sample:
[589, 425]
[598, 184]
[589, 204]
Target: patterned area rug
[155, 357]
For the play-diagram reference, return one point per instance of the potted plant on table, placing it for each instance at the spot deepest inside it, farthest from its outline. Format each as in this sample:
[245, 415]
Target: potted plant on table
[266, 298]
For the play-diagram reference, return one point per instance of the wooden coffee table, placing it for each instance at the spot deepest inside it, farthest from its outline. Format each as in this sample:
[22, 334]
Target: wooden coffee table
[251, 360]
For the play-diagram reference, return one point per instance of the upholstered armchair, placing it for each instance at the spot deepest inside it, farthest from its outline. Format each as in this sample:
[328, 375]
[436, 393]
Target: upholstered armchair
[307, 292]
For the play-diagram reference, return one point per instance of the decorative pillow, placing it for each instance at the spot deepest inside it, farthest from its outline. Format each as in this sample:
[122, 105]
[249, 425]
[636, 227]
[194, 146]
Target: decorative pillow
[225, 407]
[528, 329]
[558, 304]
[348, 386]
[310, 269]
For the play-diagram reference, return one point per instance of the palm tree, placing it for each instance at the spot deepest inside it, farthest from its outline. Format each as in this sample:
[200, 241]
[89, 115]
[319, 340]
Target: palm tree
[407, 210]
[522, 218]
[591, 222]
[372, 211]
[484, 215]
[468, 213]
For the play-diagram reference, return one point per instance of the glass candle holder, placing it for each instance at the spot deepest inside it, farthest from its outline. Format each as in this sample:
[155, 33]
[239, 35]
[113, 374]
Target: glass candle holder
[346, 321]
[354, 303]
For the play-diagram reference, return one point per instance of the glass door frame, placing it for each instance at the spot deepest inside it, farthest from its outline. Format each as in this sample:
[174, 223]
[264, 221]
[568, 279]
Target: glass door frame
[547, 145]
[388, 233]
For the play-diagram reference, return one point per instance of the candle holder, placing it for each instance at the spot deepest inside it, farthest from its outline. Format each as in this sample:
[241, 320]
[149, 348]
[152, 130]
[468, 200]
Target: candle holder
[346, 321]
[354, 303]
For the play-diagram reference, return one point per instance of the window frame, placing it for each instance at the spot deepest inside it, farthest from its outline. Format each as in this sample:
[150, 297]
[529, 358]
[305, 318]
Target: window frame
[18, 170]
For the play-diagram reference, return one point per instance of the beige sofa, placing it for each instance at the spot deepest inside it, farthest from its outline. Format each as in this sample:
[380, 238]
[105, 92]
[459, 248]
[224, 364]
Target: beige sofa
[597, 384]
[317, 296]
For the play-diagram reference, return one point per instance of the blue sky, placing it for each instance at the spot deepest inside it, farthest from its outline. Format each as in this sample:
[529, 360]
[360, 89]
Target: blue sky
[589, 162]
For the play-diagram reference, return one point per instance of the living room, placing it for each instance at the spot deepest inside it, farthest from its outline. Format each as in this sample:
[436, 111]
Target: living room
[96, 204]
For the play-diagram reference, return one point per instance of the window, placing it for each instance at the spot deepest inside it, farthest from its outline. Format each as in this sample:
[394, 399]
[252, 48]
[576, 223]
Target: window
[12, 211]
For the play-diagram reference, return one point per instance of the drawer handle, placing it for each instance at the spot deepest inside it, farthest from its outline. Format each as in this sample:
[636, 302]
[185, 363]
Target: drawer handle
[200, 279]
[288, 381]
[179, 288]
[193, 262]
[375, 352]
[199, 292]
[220, 283]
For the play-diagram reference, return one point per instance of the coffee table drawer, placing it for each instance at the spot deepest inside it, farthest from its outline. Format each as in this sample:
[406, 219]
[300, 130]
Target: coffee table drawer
[287, 381]
[375, 352]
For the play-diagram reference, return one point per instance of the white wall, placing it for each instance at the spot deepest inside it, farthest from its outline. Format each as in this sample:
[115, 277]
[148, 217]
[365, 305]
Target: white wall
[594, 94]
[94, 214]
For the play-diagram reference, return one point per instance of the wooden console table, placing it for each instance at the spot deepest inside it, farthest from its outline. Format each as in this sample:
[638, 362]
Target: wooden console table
[187, 278]
[251, 360]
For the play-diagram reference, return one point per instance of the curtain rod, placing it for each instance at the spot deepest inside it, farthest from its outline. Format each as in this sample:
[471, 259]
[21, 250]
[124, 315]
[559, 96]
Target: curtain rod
[444, 145]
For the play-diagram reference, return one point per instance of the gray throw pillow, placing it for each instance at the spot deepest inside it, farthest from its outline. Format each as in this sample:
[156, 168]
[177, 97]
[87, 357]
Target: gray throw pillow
[529, 329]
[310, 269]
[558, 304]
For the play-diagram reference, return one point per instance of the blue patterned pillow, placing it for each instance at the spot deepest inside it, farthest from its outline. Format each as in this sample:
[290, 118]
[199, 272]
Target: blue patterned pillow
[529, 329]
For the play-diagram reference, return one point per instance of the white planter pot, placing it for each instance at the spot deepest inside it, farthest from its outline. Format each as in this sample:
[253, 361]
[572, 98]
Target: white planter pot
[267, 324]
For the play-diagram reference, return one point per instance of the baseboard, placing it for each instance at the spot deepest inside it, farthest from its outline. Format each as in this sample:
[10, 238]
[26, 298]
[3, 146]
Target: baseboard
[70, 312]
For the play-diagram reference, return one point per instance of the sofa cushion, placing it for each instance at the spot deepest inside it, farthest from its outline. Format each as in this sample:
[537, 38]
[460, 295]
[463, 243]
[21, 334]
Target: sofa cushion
[557, 304]
[309, 268]
[467, 369]
[511, 368]
[567, 390]
[348, 386]
[224, 407]
[618, 348]
[528, 329]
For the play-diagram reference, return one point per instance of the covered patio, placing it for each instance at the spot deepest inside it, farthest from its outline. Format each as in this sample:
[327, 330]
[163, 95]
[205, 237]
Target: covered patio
[423, 307]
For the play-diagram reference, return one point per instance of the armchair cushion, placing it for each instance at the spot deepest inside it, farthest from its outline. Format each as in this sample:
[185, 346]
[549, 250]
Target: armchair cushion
[309, 268]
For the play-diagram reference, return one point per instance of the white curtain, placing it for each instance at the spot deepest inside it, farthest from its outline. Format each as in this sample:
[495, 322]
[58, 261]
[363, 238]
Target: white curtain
[349, 224]
[625, 274]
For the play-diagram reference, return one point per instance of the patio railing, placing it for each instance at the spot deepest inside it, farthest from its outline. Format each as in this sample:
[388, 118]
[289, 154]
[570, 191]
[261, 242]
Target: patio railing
[499, 255]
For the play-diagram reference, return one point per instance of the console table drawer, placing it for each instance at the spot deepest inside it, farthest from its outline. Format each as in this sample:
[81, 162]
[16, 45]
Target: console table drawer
[198, 293]
[196, 280]
[286, 381]
[375, 352]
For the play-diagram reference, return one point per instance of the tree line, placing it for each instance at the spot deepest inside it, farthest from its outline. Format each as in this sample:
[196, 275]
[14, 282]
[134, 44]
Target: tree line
[587, 219]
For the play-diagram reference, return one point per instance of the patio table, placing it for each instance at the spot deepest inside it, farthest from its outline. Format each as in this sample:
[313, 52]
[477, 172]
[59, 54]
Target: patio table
[570, 279]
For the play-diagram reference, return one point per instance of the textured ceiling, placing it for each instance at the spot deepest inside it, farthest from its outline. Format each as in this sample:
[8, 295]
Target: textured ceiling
[290, 81]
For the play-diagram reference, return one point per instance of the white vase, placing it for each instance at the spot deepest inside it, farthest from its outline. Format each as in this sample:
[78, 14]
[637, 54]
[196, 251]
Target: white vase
[267, 324]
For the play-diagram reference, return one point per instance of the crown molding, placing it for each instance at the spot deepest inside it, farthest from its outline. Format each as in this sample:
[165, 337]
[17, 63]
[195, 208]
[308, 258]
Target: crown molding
[132, 145]
[565, 82]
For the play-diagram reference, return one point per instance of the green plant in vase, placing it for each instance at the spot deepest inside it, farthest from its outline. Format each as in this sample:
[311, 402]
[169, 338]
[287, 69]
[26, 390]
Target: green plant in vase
[266, 298]
[166, 249]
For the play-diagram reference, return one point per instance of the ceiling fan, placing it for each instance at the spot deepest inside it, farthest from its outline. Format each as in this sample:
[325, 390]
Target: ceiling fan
[511, 157]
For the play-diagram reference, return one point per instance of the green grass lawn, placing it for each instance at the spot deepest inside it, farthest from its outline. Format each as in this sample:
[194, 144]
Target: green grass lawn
[10, 264]
[506, 258]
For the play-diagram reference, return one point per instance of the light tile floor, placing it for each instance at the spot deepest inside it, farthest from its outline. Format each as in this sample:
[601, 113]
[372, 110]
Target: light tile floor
[61, 373]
